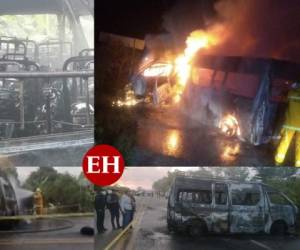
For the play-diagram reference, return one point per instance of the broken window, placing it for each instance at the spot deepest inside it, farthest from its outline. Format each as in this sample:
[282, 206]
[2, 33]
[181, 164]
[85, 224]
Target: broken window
[246, 196]
[277, 199]
[195, 196]
[221, 194]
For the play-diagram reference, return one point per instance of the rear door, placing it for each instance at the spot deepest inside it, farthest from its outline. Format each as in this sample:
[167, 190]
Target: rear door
[220, 214]
[247, 208]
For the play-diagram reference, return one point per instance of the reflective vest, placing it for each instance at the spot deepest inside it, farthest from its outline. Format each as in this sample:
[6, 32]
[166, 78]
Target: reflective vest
[292, 119]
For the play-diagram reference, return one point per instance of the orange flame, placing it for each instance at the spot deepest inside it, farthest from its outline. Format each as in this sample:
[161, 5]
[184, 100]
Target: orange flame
[229, 125]
[196, 41]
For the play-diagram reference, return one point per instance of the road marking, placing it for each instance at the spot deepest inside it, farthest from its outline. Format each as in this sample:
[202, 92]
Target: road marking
[261, 245]
[122, 233]
[136, 226]
[118, 237]
[47, 241]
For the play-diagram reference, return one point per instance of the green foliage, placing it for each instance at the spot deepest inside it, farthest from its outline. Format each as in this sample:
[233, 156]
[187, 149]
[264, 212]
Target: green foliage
[291, 187]
[34, 27]
[164, 184]
[116, 126]
[61, 190]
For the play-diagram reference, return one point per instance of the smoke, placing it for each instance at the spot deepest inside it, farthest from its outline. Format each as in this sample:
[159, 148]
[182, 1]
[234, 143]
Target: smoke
[268, 28]
[260, 28]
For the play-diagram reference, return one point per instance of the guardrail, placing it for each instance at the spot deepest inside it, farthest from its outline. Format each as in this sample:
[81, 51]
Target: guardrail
[56, 74]
[45, 216]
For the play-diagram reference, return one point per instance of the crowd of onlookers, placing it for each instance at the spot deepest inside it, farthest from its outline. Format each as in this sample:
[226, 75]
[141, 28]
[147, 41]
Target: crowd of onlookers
[117, 203]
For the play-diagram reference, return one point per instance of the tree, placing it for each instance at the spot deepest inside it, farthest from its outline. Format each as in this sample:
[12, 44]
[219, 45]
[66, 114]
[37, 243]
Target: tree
[62, 190]
[116, 126]
[266, 173]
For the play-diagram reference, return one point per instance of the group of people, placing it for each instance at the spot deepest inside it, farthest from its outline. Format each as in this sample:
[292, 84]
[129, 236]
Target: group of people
[115, 202]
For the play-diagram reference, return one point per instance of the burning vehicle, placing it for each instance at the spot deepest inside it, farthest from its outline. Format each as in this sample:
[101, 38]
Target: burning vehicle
[241, 96]
[199, 206]
[46, 81]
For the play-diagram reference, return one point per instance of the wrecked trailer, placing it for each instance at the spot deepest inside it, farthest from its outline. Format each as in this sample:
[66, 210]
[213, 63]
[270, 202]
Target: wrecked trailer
[46, 83]
[200, 206]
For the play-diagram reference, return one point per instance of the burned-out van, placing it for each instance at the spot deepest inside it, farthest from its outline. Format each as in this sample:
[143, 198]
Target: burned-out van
[199, 206]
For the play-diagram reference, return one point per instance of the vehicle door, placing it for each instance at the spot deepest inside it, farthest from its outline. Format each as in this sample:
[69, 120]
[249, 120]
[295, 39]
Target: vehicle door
[247, 208]
[281, 208]
[220, 213]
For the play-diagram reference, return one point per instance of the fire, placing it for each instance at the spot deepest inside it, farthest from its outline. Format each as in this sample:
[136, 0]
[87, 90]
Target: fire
[196, 41]
[230, 152]
[181, 64]
[158, 69]
[229, 125]
[129, 100]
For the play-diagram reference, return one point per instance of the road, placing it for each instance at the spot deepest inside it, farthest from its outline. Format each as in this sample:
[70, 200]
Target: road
[150, 233]
[66, 237]
[64, 149]
[167, 137]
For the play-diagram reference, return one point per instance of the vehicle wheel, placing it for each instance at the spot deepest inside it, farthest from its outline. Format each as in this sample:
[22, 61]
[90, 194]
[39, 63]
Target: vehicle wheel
[196, 230]
[278, 228]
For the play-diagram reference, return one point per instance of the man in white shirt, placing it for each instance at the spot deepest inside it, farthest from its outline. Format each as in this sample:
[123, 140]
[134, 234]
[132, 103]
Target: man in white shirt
[127, 208]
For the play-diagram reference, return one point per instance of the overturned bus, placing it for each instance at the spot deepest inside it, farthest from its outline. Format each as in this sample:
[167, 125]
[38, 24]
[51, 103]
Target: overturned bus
[200, 206]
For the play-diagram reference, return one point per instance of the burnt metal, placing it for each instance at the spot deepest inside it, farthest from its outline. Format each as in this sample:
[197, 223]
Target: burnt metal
[57, 74]
[228, 206]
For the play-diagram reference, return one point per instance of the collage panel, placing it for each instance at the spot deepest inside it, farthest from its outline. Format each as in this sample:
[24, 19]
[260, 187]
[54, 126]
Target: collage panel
[192, 207]
[201, 83]
[46, 208]
[47, 81]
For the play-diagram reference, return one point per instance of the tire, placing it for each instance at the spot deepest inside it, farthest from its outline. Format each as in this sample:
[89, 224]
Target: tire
[278, 228]
[196, 229]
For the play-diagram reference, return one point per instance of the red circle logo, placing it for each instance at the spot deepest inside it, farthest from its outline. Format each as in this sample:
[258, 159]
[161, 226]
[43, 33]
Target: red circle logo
[103, 165]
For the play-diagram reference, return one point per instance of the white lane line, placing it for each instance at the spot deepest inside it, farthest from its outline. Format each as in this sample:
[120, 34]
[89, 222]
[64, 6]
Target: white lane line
[261, 245]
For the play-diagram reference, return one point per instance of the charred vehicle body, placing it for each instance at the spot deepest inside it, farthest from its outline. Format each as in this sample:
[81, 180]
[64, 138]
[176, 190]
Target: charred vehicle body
[13, 200]
[46, 85]
[247, 93]
[198, 206]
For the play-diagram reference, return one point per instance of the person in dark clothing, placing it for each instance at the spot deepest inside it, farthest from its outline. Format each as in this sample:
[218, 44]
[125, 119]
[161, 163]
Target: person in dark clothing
[113, 206]
[100, 203]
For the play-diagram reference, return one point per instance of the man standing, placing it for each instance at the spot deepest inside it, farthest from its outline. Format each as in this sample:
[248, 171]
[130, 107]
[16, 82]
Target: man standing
[291, 127]
[126, 206]
[113, 206]
[100, 202]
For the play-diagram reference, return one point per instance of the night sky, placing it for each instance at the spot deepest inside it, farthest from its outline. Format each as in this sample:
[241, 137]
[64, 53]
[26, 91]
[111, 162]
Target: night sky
[132, 18]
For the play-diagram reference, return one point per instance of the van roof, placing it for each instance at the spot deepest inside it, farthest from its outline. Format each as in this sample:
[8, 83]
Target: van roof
[183, 179]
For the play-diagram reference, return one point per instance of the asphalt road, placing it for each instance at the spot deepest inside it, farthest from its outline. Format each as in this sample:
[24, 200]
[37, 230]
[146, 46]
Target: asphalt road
[167, 137]
[66, 239]
[150, 233]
